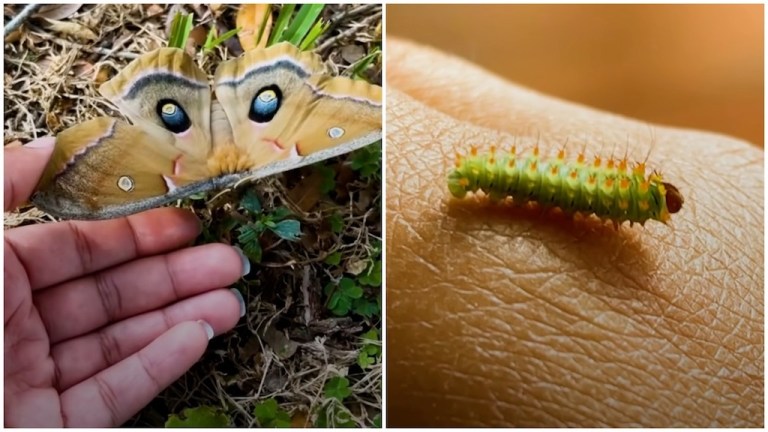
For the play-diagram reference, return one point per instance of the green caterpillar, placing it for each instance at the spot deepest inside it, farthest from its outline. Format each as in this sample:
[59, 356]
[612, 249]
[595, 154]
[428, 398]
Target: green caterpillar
[611, 191]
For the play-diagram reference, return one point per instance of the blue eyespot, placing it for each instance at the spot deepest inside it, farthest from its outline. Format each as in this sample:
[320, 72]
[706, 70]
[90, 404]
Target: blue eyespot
[173, 116]
[265, 104]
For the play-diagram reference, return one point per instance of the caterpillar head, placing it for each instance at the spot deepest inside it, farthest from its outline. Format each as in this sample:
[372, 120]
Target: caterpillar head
[673, 198]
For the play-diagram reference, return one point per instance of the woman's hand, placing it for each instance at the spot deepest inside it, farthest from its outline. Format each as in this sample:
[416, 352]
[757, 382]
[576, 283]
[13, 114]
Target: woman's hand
[502, 317]
[102, 316]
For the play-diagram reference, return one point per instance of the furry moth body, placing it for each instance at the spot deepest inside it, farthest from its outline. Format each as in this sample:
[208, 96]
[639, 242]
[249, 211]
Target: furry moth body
[611, 191]
[274, 109]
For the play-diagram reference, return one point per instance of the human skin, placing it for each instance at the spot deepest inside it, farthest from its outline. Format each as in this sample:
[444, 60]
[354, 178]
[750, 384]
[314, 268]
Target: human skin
[102, 316]
[501, 316]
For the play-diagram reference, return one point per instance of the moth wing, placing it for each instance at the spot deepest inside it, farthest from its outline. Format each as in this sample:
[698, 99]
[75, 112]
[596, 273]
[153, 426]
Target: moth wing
[317, 115]
[106, 168]
[166, 74]
[343, 113]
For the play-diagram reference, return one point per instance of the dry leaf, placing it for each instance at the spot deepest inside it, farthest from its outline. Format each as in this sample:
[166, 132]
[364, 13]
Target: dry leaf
[249, 20]
[307, 192]
[153, 9]
[79, 31]
[44, 64]
[102, 74]
[357, 267]
[58, 11]
[281, 345]
[300, 420]
[14, 36]
[216, 8]
[52, 121]
[352, 53]
[198, 35]
[82, 68]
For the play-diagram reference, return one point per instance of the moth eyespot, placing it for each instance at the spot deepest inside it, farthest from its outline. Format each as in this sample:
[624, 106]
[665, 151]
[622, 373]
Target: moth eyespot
[169, 109]
[572, 187]
[126, 183]
[267, 96]
[265, 104]
[335, 132]
[172, 116]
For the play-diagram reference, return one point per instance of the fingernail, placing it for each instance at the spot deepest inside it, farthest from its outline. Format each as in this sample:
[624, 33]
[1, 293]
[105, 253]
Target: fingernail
[245, 261]
[44, 142]
[240, 300]
[207, 327]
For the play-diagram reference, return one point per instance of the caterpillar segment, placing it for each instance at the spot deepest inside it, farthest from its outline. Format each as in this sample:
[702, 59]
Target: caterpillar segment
[611, 190]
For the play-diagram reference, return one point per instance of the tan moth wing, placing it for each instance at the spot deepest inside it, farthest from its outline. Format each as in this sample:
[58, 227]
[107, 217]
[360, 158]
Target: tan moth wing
[315, 116]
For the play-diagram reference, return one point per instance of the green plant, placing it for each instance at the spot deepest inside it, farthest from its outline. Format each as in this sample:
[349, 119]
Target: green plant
[367, 161]
[269, 415]
[342, 295]
[357, 69]
[212, 41]
[249, 234]
[303, 29]
[328, 175]
[370, 353]
[333, 413]
[181, 27]
[337, 223]
[372, 275]
[199, 417]
[333, 259]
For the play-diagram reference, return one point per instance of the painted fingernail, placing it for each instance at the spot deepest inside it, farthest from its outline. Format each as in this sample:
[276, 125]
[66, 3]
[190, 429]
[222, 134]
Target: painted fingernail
[240, 300]
[45, 142]
[208, 328]
[245, 261]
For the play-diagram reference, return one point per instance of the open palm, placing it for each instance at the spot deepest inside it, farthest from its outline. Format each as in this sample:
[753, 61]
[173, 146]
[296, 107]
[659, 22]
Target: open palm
[102, 316]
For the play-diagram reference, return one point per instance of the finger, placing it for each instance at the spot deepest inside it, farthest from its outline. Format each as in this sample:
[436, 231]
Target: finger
[23, 168]
[83, 305]
[54, 253]
[115, 394]
[79, 358]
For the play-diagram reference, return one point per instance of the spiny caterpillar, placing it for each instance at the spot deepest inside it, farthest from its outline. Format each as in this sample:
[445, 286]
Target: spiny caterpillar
[611, 191]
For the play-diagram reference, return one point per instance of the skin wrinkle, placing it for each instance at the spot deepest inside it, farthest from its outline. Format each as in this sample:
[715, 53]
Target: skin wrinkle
[108, 396]
[109, 295]
[627, 324]
[83, 248]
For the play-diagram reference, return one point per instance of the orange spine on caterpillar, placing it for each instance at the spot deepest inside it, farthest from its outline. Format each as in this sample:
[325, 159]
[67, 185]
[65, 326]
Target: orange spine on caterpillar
[610, 190]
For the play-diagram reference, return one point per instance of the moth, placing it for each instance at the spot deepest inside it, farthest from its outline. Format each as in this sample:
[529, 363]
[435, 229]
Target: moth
[270, 110]
[611, 190]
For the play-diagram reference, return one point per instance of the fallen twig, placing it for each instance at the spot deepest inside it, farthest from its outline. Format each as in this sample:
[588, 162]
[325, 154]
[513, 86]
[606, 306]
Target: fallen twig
[20, 18]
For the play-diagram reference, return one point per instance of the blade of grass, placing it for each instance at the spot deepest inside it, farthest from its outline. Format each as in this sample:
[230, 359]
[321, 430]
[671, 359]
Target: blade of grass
[355, 70]
[181, 27]
[210, 45]
[318, 29]
[267, 11]
[303, 22]
[282, 22]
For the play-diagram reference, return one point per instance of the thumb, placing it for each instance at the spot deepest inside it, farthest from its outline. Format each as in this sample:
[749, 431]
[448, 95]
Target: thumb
[23, 167]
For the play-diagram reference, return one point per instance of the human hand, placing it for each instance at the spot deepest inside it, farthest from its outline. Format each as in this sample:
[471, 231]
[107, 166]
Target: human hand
[102, 316]
[497, 317]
